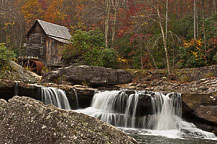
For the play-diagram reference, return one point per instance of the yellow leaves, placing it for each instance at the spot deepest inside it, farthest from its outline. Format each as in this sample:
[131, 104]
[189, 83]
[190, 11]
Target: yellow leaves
[192, 43]
[123, 60]
[195, 47]
[194, 53]
[7, 24]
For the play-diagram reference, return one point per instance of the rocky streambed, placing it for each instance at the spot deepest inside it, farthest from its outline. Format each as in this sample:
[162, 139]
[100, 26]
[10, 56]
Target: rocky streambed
[199, 96]
[201, 109]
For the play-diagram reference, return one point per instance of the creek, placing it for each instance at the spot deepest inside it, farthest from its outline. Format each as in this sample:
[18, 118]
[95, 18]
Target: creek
[147, 116]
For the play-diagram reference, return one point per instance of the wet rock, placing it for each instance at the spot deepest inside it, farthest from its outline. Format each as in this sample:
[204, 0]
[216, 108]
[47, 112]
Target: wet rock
[9, 88]
[25, 120]
[201, 109]
[144, 105]
[207, 112]
[90, 75]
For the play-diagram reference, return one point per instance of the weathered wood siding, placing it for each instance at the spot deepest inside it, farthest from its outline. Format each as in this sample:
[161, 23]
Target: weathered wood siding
[53, 53]
[36, 43]
[40, 45]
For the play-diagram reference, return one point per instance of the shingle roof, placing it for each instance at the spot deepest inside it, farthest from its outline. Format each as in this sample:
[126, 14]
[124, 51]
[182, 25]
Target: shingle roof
[60, 39]
[54, 30]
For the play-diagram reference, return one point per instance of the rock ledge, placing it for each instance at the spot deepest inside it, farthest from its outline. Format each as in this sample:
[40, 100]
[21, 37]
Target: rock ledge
[25, 120]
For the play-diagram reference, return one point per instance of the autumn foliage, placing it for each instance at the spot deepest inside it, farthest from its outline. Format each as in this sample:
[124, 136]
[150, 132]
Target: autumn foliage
[138, 32]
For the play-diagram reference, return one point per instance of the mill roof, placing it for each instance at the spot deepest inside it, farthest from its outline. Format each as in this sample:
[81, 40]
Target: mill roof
[53, 30]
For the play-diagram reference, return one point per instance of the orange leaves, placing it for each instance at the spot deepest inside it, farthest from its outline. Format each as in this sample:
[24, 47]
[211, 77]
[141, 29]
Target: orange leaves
[49, 10]
[31, 10]
[54, 13]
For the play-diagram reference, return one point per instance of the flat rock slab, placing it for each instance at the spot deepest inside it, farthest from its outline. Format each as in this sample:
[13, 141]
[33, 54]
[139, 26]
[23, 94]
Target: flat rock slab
[90, 75]
[25, 120]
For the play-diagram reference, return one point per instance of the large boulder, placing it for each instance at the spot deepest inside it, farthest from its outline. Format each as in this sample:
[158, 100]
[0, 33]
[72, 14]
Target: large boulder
[203, 105]
[25, 120]
[201, 109]
[18, 73]
[90, 75]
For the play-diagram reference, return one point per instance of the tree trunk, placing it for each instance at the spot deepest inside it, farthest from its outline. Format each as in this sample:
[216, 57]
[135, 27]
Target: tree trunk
[115, 4]
[195, 26]
[108, 7]
[204, 30]
[166, 25]
[164, 41]
[141, 53]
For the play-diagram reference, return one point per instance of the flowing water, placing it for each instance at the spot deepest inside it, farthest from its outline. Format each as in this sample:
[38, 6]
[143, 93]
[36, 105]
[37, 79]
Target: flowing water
[120, 109]
[161, 123]
[16, 88]
[76, 97]
[54, 96]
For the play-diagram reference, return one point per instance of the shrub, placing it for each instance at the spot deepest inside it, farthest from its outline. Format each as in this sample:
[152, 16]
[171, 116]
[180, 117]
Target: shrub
[87, 47]
[6, 55]
[109, 58]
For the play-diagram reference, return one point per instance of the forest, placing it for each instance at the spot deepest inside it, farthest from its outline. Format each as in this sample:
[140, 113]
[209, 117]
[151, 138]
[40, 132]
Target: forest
[136, 34]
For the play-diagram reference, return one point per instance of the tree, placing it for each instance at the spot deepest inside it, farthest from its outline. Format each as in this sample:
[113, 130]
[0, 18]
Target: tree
[6, 55]
[54, 13]
[108, 11]
[88, 47]
[195, 19]
[12, 31]
[156, 7]
[31, 11]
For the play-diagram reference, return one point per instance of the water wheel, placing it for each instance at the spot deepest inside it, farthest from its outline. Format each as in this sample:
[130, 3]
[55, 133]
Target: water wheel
[34, 65]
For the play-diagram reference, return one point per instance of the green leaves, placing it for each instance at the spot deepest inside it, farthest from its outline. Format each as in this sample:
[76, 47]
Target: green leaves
[88, 47]
[5, 55]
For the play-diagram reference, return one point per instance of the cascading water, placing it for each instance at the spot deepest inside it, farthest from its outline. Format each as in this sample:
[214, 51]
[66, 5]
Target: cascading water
[76, 97]
[120, 108]
[16, 88]
[55, 96]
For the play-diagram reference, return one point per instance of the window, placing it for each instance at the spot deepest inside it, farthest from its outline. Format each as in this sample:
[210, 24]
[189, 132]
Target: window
[41, 51]
[42, 39]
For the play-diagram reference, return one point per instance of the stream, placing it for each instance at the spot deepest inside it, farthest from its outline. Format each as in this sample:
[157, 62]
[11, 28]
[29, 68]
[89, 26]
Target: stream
[161, 122]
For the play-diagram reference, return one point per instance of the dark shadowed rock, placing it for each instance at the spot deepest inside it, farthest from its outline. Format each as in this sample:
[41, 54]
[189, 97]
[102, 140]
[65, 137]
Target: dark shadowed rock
[9, 88]
[24, 120]
[90, 75]
[203, 105]
[201, 109]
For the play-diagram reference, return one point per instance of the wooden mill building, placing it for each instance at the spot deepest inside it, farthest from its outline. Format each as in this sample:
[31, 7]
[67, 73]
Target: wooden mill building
[45, 40]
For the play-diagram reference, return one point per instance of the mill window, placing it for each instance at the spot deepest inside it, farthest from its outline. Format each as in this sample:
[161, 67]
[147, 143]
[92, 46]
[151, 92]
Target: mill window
[41, 51]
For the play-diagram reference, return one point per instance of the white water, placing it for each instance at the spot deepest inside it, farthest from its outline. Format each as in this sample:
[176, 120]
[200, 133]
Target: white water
[16, 88]
[119, 109]
[54, 96]
[76, 97]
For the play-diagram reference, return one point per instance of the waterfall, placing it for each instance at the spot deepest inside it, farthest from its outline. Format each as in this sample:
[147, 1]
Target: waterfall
[76, 97]
[167, 109]
[55, 96]
[114, 107]
[16, 88]
[121, 109]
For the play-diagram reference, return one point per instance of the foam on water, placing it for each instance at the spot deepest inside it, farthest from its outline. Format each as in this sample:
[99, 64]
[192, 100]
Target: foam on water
[120, 108]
